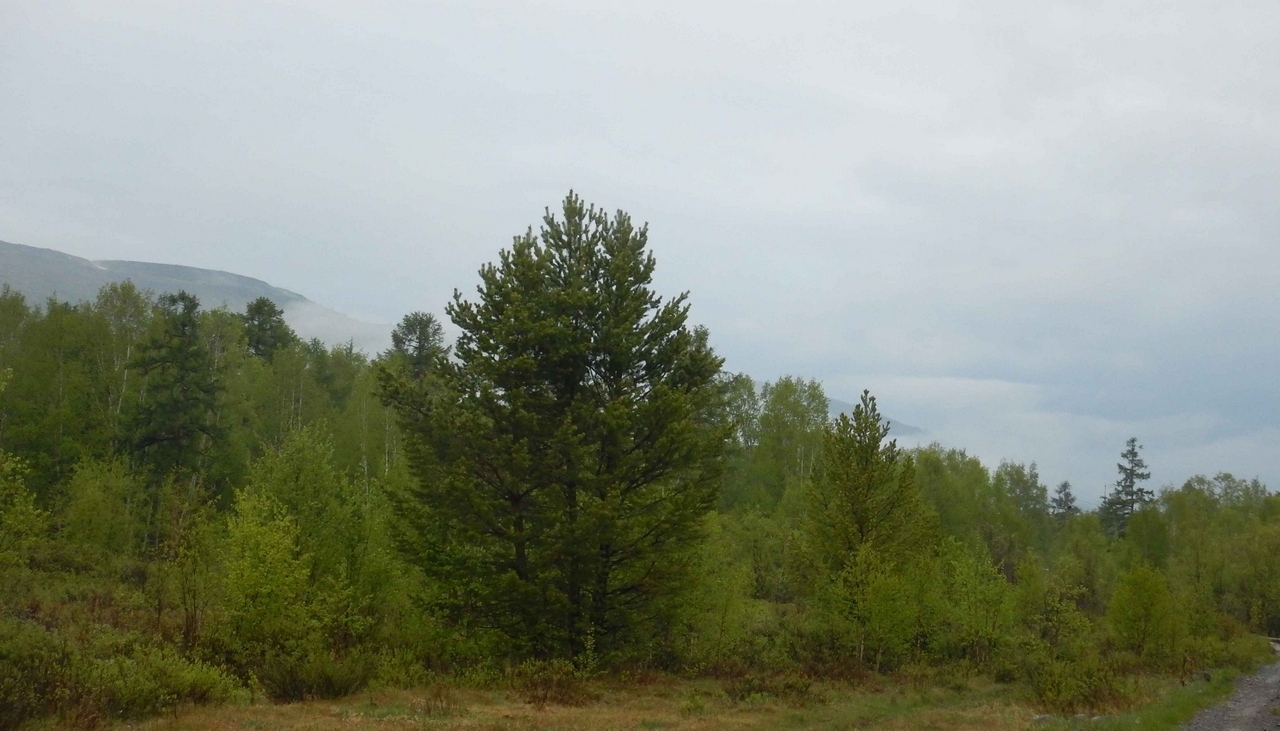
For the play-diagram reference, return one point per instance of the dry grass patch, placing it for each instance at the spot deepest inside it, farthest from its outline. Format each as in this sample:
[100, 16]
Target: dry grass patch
[700, 705]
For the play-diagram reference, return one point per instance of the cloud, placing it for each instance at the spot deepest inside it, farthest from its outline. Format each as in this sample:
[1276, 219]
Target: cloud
[1038, 229]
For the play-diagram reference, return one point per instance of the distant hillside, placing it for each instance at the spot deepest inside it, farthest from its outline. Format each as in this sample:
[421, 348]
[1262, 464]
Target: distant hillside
[836, 407]
[43, 273]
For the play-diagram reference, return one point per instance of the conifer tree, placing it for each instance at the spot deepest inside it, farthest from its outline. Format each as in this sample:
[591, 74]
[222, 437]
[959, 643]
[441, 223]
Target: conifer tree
[568, 452]
[1063, 503]
[418, 340]
[1128, 495]
[171, 423]
[265, 328]
[863, 494]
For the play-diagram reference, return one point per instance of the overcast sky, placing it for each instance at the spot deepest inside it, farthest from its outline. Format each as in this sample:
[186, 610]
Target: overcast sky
[1033, 229]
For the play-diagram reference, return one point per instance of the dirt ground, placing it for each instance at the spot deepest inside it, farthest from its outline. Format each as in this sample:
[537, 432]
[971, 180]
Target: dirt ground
[1255, 705]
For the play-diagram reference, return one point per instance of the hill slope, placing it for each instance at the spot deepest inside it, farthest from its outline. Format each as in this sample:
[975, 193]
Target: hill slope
[43, 273]
[837, 407]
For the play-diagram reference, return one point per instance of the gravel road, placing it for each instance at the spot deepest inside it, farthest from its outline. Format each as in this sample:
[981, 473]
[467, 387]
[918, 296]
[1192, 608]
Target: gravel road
[1254, 707]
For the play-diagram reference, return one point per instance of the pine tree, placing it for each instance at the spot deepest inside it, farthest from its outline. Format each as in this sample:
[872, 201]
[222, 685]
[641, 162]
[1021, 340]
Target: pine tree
[1128, 495]
[171, 424]
[566, 456]
[1063, 503]
[863, 493]
[265, 328]
[418, 341]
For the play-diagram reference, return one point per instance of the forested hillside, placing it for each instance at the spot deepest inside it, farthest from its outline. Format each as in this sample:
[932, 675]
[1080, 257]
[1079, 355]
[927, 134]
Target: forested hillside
[40, 274]
[197, 506]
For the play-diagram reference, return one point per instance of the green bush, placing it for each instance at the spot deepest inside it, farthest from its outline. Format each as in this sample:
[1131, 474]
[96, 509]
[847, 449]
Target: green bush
[788, 687]
[33, 672]
[151, 680]
[315, 675]
[1070, 686]
[544, 682]
[108, 675]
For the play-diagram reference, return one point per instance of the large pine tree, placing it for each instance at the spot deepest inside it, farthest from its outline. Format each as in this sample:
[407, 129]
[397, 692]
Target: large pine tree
[566, 454]
[172, 423]
[265, 329]
[417, 342]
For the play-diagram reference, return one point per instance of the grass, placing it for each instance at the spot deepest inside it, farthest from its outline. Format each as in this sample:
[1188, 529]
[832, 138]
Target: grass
[696, 705]
[1165, 708]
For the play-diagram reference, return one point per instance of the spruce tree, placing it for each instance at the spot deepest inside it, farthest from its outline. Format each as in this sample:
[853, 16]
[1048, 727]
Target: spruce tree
[566, 455]
[1128, 494]
[1063, 503]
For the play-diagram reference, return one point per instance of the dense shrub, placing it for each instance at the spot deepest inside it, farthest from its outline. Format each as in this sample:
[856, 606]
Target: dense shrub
[33, 672]
[106, 675]
[755, 687]
[1069, 686]
[544, 682]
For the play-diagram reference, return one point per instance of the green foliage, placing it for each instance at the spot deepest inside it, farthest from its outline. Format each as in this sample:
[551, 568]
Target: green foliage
[1076, 685]
[1128, 495]
[567, 455]
[105, 512]
[755, 688]
[958, 488]
[102, 677]
[1063, 503]
[863, 494]
[22, 524]
[418, 343]
[267, 586]
[172, 428]
[544, 682]
[977, 606]
[1141, 615]
[197, 506]
[32, 666]
[265, 329]
[778, 439]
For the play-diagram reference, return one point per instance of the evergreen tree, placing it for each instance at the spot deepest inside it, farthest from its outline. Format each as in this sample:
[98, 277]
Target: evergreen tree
[419, 341]
[171, 424]
[265, 328]
[863, 494]
[1128, 495]
[566, 457]
[1063, 503]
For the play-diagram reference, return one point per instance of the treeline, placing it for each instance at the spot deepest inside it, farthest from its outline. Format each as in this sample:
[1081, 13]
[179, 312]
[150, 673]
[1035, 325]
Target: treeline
[837, 552]
[196, 506]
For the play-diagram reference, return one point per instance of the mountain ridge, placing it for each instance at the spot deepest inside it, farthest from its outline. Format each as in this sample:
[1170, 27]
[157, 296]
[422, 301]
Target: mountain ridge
[40, 273]
[836, 407]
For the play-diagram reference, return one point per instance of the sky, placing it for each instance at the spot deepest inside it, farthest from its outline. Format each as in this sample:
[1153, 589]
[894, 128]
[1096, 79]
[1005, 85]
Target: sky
[1031, 229]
